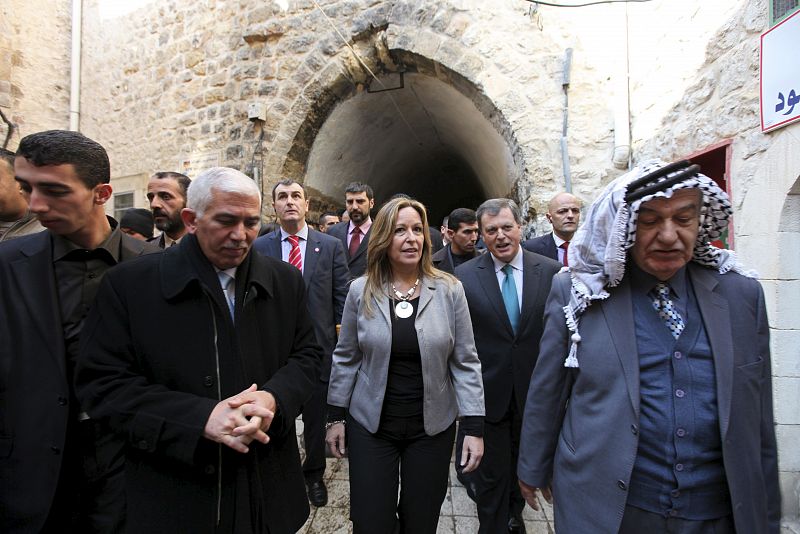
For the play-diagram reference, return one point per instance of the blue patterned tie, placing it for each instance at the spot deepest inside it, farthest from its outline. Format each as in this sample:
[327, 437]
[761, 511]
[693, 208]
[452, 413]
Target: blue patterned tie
[666, 309]
[510, 298]
[225, 281]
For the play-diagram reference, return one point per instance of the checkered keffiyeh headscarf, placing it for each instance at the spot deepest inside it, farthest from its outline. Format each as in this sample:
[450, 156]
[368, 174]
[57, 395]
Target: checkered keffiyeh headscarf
[598, 252]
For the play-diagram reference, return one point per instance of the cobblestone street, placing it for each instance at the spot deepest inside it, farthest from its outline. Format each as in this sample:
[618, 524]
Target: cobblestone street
[458, 515]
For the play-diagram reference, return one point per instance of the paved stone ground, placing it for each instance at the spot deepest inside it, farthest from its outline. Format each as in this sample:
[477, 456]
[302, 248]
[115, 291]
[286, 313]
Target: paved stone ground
[458, 515]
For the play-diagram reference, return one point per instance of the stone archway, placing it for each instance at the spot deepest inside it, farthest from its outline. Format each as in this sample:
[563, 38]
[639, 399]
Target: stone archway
[427, 140]
[439, 138]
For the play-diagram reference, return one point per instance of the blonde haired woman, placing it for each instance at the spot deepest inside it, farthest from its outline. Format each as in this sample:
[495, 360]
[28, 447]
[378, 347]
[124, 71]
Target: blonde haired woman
[404, 369]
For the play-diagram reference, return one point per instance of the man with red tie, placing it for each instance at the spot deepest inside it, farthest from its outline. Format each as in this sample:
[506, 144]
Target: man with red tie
[564, 213]
[359, 200]
[323, 262]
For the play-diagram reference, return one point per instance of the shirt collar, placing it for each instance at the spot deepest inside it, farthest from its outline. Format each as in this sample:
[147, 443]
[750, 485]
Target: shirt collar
[558, 240]
[516, 263]
[230, 272]
[63, 246]
[645, 282]
[302, 233]
[364, 227]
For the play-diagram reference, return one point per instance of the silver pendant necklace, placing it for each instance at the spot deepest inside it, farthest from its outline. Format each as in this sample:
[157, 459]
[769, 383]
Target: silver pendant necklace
[403, 309]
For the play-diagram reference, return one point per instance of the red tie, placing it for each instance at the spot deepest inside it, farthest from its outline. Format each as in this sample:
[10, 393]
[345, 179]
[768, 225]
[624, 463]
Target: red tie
[355, 241]
[565, 246]
[295, 258]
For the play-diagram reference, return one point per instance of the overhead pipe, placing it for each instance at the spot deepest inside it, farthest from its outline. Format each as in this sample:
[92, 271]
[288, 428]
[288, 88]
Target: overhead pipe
[564, 147]
[621, 157]
[75, 67]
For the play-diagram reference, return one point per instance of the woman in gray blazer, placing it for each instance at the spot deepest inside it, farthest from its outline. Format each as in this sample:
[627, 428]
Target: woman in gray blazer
[404, 368]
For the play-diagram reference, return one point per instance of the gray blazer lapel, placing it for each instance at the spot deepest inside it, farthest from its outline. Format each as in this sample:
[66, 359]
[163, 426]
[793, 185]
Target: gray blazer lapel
[488, 281]
[618, 314]
[36, 286]
[427, 287]
[715, 313]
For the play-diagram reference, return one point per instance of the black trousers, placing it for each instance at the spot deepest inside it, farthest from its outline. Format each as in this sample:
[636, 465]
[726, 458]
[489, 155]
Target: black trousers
[90, 496]
[493, 485]
[314, 418]
[636, 521]
[400, 449]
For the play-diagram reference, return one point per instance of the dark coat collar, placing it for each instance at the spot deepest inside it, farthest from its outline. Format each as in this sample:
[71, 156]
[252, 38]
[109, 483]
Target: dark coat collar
[184, 267]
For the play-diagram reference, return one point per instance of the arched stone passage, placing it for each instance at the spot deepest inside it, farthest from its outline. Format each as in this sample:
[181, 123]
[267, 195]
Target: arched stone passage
[438, 138]
[427, 140]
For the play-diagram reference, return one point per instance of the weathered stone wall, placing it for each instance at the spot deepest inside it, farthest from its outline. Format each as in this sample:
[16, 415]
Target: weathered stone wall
[34, 66]
[175, 78]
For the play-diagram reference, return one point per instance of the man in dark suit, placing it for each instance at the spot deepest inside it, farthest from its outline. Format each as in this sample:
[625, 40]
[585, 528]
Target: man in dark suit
[166, 192]
[60, 470]
[564, 213]
[322, 261]
[354, 235]
[206, 400]
[462, 234]
[506, 291]
[650, 409]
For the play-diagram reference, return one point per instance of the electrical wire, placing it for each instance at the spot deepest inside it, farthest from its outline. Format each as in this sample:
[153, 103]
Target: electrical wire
[358, 58]
[588, 3]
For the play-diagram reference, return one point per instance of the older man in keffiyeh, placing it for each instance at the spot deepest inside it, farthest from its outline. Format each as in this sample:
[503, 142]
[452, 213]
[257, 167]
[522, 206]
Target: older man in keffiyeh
[650, 408]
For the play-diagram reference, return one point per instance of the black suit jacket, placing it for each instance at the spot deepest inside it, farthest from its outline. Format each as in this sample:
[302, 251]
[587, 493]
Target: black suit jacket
[325, 274]
[507, 360]
[35, 408]
[544, 245]
[358, 263]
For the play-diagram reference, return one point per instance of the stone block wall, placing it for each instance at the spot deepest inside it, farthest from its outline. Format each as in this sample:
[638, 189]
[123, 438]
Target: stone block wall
[34, 66]
[175, 78]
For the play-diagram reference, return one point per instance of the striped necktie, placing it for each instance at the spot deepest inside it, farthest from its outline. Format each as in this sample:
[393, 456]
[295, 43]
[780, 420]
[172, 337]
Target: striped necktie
[295, 258]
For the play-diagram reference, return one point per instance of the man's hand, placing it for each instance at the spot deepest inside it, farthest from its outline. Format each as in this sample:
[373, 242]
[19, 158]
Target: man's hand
[471, 453]
[238, 420]
[530, 495]
[334, 437]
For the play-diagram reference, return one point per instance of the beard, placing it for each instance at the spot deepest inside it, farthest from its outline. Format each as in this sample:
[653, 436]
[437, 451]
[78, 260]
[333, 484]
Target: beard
[168, 224]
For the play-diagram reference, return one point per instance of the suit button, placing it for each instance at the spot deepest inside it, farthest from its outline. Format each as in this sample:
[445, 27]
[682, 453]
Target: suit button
[679, 393]
[678, 467]
[143, 444]
[56, 450]
[678, 355]
[622, 485]
[62, 401]
[209, 469]
[680, 432]
[208, 381]
[634, 430]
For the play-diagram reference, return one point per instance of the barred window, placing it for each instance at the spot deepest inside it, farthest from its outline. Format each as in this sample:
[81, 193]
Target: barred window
[122, 202]
[780, 9]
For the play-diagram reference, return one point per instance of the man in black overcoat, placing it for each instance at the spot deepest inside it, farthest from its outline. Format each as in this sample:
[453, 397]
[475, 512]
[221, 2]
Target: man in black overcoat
[201, 358]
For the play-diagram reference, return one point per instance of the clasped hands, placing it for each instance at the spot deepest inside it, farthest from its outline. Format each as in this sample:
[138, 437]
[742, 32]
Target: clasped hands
[241, 419]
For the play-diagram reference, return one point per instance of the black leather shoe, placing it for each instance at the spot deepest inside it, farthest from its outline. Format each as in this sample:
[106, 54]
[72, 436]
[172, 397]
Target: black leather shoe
[318, 493]
[516, 525]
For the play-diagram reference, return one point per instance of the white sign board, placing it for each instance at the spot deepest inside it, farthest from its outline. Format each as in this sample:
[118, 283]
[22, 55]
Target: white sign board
[780, 74]
[197, 162]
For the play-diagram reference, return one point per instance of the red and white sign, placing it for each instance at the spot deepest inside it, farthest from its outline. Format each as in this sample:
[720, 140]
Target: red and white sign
[780, 74]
